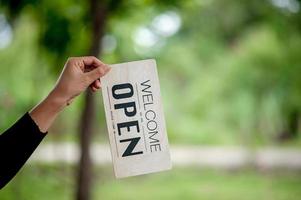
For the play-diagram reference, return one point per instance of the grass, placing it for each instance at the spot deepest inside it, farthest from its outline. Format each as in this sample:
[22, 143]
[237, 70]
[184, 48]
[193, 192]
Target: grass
[51, 182]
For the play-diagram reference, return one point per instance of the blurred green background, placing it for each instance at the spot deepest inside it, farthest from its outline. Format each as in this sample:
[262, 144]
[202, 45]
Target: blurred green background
[229, 73]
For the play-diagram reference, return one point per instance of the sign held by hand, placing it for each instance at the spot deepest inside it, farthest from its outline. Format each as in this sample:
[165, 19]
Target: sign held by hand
[135, 119]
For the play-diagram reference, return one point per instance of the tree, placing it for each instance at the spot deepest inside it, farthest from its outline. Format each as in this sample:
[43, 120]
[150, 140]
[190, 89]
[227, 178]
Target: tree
[55, 38]
[57, 33]
[99, 11]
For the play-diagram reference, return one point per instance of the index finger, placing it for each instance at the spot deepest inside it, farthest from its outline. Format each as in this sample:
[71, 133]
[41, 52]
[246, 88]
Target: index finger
[92, 60]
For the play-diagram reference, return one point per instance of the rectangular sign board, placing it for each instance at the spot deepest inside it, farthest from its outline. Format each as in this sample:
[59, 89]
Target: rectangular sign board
[135, 119]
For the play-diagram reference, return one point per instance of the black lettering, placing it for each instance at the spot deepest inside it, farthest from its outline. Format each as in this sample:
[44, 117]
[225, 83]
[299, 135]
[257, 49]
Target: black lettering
[155, 147]
[151, 137]
[152, 125]
[127, 125]
[150, 112]
[123, 94]
[146, 87]
[131, 146]
[126, 107]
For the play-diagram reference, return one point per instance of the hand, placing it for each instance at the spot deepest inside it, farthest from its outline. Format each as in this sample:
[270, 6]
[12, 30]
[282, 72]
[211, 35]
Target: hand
[78, 74]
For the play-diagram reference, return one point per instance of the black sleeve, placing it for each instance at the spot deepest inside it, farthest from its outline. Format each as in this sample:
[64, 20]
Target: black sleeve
[16, 146]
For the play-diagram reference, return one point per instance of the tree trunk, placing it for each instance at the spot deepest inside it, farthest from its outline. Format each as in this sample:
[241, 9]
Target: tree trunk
[84, 183]
[85, 165]
[292, 126]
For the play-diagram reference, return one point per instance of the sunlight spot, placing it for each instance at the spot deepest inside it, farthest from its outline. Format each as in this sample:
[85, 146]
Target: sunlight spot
[292, 6]
[109, 43]
[145, 37]
[5, 32]
[167, 24]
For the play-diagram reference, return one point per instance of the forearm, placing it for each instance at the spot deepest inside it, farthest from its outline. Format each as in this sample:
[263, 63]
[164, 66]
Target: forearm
[47, 110]
[16, 145]
[19, 141]
[77, 75]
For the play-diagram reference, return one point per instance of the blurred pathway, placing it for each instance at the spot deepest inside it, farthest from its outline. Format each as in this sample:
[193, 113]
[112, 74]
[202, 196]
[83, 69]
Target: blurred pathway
[202, 156]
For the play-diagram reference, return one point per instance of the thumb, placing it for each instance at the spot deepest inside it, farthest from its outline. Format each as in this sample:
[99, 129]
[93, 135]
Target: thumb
[94, 74]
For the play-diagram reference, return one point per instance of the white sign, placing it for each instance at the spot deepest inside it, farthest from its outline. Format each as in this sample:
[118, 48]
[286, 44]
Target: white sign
[135, 119]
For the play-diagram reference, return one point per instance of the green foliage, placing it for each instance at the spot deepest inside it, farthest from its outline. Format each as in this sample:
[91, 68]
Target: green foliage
[56, 35]
[187, 183]
[230, 75]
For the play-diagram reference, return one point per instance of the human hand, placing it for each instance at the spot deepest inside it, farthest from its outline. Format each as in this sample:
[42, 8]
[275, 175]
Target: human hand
[78, 74]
